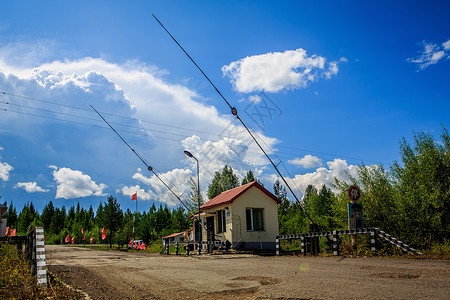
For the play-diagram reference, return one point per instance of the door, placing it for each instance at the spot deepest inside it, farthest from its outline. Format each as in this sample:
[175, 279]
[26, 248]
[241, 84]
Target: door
[210, 228]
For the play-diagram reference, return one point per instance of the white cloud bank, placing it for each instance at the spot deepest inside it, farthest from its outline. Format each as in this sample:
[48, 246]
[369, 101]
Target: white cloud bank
[277, 71]
[336, 168]
[307, 161]
[72, 184]
[30, 187]
[431, 54]
[5, 168]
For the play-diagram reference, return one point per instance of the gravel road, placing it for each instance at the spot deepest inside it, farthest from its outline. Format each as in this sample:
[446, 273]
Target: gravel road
[112, 274]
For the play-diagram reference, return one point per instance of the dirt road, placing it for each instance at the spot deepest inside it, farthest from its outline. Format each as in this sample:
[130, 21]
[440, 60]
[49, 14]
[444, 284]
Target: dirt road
[124, 275]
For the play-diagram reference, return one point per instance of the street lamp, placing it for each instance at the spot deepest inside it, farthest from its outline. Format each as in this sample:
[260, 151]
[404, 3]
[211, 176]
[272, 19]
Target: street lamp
[189, 154]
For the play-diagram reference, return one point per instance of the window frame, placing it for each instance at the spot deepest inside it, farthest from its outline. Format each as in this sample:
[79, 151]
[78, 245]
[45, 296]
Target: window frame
[221, 221]
[251, 222]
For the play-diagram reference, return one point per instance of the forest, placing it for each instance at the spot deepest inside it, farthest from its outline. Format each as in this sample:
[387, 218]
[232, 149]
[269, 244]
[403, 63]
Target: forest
[410, 200]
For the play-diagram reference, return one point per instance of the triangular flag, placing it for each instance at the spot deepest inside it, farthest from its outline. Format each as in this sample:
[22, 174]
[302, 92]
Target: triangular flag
[134, 197]
[130, 245]
[103, 233]
[7, 231]
[82, 230]
[73, 239]
[84, 237]
[13, 232]
[67, 238]
[92, 240]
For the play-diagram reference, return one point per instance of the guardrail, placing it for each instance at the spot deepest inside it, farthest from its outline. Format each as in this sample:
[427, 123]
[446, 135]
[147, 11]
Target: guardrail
[198, 245]
[308, 239]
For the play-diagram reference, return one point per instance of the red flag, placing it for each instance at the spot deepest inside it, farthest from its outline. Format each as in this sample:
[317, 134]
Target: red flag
[92, 240]
[13, 232]
[134, 197]
[84, 237]
[67, 238]
[131, 243]
[142, 247]
[82, 230]
[73, 240]
[7, 231]
[103, 233]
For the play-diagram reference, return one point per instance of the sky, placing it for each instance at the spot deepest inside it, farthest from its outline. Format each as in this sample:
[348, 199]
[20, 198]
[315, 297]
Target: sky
[323, 85]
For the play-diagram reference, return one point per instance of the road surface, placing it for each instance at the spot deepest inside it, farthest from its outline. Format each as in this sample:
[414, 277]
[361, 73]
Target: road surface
[112, 274]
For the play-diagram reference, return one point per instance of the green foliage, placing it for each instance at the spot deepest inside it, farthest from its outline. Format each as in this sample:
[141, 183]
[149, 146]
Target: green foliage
[195, 198]
[222, 182]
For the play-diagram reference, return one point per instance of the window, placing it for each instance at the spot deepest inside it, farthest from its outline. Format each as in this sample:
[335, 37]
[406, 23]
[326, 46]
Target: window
[221, 223]
[255, 219]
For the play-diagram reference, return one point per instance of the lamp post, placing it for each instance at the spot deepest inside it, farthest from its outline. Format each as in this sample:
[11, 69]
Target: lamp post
[189, 154]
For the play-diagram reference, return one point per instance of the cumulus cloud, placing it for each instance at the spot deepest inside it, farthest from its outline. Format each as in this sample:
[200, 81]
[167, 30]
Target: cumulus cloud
[129, 191]
[176, 179]
[276, 71]
[30, 187]
[5, 168]
[431, 54]
[325, 175]
[307, 161]
[73, 184]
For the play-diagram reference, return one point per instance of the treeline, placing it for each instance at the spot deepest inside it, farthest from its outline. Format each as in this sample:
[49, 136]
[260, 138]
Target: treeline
[410, 201]
[149, 226]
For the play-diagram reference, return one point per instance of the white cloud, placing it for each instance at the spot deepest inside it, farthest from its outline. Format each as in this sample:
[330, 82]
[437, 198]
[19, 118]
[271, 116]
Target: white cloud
[307, 161]
[446, 45]
[276, 71]
[176, 179]
[129, 191]
[432, 53]
[5, 168]
[73, 184]
[30, 187]
[336, 168]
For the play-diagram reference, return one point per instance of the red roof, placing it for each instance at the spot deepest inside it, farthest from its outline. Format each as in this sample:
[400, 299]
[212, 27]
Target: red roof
[231, 195]
[173, 235]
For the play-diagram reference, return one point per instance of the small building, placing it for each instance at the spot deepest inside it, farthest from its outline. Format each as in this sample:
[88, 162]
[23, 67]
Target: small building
[245, 216]
[177, 237]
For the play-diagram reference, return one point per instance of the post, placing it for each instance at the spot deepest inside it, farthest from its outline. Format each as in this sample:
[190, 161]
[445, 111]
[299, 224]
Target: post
[36, 252]
[277, 246]
[303, 245]
[199, 246]
[176, 248]
[373, 240]
[187, 249]
[335, 243]
[168, 248]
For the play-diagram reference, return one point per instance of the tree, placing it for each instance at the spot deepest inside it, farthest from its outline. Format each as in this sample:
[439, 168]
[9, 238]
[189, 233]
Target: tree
[194, 202]
[424, 188]
[112, 217]
[11, 216]
[222, 182]
[250, 177]
[46, 217]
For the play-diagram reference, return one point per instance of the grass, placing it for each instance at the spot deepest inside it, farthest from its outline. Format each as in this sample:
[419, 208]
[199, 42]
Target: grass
[16, 281]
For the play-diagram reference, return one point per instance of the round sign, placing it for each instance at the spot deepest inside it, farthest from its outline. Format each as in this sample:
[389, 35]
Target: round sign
[234, 111]
[354, 193]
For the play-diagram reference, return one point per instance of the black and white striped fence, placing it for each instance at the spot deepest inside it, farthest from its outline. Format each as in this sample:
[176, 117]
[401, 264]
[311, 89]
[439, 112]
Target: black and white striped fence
[334, 236]
[198, 245]
[35, 251]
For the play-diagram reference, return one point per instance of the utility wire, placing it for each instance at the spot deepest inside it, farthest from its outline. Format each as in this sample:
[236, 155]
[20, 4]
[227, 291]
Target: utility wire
[195, 131]
[235, 113]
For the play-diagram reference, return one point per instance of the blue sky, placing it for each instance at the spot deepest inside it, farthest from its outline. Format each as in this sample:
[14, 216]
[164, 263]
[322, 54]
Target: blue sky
[326, 86]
